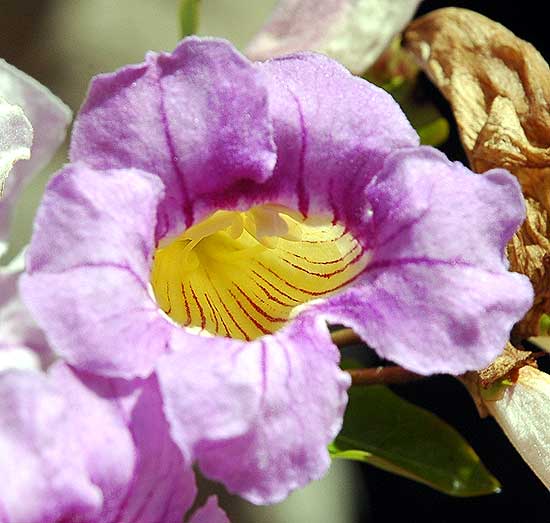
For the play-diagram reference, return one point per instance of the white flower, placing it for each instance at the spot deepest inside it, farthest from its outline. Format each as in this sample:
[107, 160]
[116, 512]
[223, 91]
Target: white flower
[354, 32]
[522, 413]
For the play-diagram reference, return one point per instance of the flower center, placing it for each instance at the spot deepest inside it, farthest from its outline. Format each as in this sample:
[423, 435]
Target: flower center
[242, 274]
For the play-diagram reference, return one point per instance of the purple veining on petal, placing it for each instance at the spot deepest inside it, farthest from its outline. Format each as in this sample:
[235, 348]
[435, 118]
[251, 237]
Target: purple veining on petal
[219, 137]
[269, 451]
[115, 269]
[427, 263]
[303, 200]
[398, 262]
[187, 204]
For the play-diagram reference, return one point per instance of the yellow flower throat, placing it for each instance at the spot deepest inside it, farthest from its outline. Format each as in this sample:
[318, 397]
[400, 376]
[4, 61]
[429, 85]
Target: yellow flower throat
[241, 274]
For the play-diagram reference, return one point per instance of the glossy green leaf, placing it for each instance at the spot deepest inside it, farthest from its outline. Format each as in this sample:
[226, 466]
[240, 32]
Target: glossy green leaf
[189, 17]
[388, 432]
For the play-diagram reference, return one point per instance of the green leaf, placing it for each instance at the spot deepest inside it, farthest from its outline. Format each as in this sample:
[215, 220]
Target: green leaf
[434, 133]
[388, 432]
[544, 325]
[189, 17]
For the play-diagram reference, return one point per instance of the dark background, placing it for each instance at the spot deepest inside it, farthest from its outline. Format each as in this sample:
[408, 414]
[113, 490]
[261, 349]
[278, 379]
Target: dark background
[523, 498]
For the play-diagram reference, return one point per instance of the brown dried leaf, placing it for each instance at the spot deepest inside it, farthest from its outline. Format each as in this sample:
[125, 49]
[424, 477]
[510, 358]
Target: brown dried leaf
[510, 360]
[529, 253]
[499, 88]
[505, 366]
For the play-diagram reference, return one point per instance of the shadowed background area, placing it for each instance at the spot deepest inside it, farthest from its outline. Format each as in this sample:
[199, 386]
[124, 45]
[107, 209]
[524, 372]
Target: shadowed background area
[63, 43]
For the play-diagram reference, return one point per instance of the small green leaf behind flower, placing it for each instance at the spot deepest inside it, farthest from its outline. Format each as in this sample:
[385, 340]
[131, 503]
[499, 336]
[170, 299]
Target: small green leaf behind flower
[189, 17]
[388, 432]
[543, 340]
[544, 325]
[434, 133]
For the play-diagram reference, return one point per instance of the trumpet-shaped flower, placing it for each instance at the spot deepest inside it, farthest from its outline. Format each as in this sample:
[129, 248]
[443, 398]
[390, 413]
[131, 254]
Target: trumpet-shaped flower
[217, 213]
[521, 413]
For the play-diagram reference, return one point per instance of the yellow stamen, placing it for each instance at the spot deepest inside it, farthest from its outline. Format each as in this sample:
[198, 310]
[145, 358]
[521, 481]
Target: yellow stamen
[241, 274]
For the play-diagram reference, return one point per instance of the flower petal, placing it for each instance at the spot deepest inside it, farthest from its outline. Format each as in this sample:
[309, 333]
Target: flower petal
[18, 358]
[257, 416]
[210, 513]
[47, 470]
[522, 414]
[108, 453]
[425, 205]
[161, 488]
[333, 132]
[354, 32]
[111, 215]
[438, 235]
[498, 86]
[52, 451]
[325, 142]
[164, 486]
[18, 331]
[196, 117]
[16, 138]
[110, 323]
[15, 144]
[49, 118]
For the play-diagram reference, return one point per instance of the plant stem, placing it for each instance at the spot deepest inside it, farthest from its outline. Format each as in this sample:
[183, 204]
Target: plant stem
[345, 337]
[373, 375]
[383, 376]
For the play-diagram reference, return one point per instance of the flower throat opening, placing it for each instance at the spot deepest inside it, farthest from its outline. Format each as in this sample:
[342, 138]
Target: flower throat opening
[242, 274]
